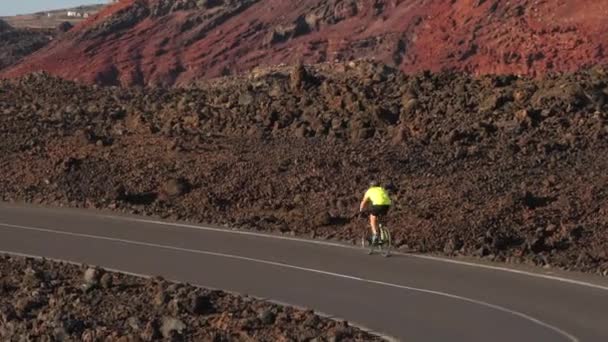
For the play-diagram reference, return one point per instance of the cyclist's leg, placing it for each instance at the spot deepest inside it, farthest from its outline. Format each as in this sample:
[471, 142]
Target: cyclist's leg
[373, 221]
[381, 214]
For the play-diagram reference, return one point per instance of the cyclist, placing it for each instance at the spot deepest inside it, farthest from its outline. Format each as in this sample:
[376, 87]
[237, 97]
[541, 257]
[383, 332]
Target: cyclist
[381, 202]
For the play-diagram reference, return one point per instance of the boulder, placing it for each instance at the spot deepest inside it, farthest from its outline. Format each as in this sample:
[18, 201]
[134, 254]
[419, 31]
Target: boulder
[171, 326]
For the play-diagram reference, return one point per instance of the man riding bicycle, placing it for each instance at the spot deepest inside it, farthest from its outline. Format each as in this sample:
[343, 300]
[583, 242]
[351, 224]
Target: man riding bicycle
[381, 202]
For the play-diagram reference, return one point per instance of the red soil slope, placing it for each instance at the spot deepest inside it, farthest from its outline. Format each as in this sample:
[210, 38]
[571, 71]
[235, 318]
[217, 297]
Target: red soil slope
[165, 42]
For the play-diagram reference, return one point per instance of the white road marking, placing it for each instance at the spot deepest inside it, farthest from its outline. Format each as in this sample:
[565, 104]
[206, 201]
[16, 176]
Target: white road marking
[342, 245]
[311, 270]
[335, 244]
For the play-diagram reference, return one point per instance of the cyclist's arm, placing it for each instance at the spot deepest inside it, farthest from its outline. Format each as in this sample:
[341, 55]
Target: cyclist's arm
[363, 202]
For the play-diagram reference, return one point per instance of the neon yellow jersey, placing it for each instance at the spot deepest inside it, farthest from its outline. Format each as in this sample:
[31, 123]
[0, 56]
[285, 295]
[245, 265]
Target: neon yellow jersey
[378, 196]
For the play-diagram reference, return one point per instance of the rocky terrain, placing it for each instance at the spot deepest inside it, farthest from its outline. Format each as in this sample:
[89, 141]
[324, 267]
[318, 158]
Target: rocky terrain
[188, 40]
[500, 167]
[47, 301]
[18, 43]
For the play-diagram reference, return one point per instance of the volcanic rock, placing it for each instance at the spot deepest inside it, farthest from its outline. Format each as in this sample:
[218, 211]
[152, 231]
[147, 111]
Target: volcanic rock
[15, 44]
[298, 161]
[492, 37]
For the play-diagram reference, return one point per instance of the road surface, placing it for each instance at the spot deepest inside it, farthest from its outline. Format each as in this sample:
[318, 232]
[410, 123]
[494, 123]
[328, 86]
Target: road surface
[411, 298]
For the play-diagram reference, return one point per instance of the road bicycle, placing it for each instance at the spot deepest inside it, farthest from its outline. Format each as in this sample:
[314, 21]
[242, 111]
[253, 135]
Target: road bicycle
[383, 244]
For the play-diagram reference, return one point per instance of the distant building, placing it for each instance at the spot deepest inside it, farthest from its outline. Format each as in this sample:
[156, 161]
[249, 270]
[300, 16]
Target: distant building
[73, 14]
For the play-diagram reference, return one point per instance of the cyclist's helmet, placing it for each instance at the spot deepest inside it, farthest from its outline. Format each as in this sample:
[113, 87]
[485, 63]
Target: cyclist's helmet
[374, 183]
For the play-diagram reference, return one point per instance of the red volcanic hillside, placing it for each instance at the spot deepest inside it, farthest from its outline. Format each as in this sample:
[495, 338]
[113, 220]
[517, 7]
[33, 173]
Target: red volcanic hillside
[164, 42]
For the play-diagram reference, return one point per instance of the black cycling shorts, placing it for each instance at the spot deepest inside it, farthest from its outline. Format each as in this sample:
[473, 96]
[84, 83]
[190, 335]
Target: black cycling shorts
[379, 210]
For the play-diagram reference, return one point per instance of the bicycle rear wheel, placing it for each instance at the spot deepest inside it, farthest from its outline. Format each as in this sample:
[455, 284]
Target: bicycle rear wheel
[386, 241]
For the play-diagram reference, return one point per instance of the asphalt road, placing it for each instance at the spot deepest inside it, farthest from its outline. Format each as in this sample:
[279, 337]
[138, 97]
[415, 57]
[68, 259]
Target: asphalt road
[412, 298]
